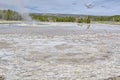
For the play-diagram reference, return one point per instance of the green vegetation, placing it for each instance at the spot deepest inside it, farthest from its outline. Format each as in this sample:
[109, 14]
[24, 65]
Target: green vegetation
[84, 20]
[46, 18]
[12, 15]
[115, 18]
[9, 15]
[80, 20]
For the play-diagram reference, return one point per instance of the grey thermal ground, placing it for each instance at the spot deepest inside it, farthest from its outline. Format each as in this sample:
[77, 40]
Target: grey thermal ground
[59, 51]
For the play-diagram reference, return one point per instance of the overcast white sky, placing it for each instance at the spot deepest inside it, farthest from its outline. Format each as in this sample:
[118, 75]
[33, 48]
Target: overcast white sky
[97, 7]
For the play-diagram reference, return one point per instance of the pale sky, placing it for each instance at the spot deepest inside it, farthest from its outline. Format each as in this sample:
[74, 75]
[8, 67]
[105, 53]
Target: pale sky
[89, 7]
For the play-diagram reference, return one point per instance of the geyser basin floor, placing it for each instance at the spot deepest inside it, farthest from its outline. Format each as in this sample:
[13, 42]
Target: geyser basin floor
[59, 52]
[58, 29]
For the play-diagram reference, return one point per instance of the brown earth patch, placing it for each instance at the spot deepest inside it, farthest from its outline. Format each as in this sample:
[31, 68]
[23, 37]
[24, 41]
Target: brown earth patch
[63, 46]
[2, 77]
[113, 78]
[79, 58]
[4, 45]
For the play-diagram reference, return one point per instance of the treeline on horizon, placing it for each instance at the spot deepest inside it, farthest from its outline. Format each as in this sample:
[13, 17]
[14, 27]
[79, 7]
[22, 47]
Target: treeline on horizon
[13, 15]
[10, 15]
[47, 18]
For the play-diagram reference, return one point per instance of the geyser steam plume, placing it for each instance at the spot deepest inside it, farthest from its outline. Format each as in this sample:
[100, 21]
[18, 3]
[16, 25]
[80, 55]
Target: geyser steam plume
[22, 10]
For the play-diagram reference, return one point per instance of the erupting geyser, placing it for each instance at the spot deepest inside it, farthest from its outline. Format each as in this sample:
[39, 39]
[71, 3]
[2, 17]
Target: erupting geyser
[22, 10]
